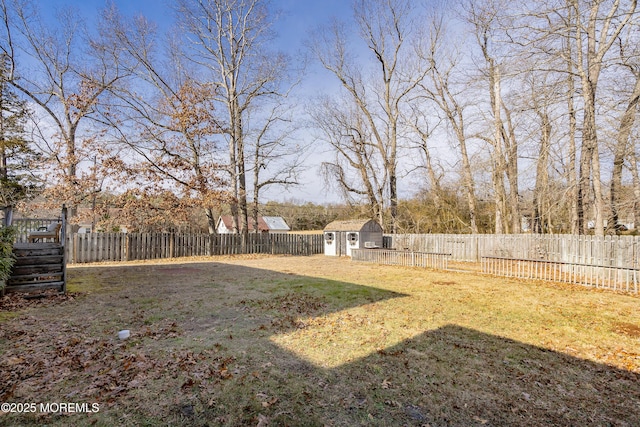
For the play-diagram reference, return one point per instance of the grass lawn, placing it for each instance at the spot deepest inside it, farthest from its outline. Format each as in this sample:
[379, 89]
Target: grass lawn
[306, 341]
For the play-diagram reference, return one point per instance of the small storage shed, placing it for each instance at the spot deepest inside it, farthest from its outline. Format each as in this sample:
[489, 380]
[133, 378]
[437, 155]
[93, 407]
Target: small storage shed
[342, 236]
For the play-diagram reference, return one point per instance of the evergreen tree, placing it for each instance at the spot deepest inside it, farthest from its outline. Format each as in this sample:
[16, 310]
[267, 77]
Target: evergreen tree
[16, 156]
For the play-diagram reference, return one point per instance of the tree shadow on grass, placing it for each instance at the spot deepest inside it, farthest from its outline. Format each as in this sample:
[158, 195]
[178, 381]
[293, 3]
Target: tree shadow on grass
[202, 351]
[181, 316]
[460, 376]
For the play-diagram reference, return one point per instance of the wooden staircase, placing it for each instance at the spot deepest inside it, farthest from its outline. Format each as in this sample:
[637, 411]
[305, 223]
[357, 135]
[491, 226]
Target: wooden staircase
[38, 266]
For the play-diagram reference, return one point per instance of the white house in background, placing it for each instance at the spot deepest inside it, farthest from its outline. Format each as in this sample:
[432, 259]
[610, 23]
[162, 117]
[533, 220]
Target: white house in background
[266, 224]
[276, 224]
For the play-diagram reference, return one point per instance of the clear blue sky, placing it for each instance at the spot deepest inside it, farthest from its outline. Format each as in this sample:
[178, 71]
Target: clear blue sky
[297, 16]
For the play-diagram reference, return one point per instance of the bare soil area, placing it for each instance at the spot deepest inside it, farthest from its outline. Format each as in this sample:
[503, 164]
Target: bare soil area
[272, 341]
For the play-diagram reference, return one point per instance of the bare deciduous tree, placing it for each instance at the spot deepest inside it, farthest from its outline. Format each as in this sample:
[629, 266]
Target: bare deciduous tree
[228, 43]
[273, 163]
[388, 30]
[166, 117]
[629, 58]
[593, 33]
[449, 98]
[63, 71]
[357, 167]
[483, 17]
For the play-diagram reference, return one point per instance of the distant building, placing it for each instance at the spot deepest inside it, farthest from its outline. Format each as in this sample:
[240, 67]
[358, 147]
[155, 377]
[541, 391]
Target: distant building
[340, 237]
[276, 224]
[266, 224]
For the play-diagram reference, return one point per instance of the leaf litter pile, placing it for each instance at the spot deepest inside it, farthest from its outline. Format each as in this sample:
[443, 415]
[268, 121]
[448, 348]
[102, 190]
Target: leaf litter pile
[12, 302]
[318, 341]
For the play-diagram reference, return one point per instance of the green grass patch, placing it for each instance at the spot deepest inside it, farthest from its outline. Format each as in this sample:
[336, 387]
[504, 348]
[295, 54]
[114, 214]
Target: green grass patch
[7, 315]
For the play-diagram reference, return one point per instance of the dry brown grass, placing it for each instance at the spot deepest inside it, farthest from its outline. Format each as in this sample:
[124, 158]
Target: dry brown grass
[322, 341]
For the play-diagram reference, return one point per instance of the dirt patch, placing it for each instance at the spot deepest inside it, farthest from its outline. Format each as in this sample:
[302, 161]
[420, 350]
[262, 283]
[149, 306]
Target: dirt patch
[444, 282]
[298, 303]
[628, 329]
[287, 311]
[178, 270]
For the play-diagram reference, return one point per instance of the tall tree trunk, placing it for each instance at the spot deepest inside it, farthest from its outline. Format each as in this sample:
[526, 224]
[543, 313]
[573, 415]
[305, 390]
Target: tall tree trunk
[600, 32]
[499, 166]
[4, 174]
[255, 210]
[621, 151]
[591, 157]
[233, 172]
[636, 190]
[575, 218]
[211, 220]
[468, 184]
[256, 188]
[540, 224]
[242, 188]
[511, 148]
[393, 198]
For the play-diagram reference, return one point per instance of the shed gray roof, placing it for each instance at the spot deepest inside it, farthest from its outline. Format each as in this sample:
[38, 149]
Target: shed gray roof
[353, 225]
[276, 223]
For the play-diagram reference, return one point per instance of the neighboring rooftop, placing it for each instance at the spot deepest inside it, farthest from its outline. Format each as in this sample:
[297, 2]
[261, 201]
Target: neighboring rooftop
[265, 224]
[276, 223]
[351, 225]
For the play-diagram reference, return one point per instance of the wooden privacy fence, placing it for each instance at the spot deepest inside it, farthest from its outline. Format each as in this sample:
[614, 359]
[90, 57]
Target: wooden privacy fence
[610, 251]
[404, 258]
[599, 276]
[96, 247]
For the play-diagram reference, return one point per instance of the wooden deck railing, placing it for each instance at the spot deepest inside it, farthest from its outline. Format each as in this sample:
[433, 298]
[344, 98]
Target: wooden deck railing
[24, 226]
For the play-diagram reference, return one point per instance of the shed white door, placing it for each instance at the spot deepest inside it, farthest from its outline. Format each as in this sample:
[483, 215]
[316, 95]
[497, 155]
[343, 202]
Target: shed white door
[351, 241]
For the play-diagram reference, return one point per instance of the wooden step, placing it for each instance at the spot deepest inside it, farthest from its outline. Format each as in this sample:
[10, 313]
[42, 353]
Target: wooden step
[21, 246]
[38, 266]
[38, 260]
[25, 253]
[36, 287]
[38, 277]
[36, 249]
[21, 270]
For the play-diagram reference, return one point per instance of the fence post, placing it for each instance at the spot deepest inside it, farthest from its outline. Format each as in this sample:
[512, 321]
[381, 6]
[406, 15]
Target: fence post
[76, 244]
[69, 248]
[8, 216]
[127, 247]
